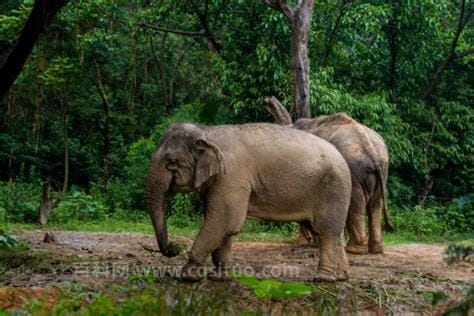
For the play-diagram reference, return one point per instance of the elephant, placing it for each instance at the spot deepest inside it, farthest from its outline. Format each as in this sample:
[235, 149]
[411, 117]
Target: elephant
[367, 157]
[261, 171]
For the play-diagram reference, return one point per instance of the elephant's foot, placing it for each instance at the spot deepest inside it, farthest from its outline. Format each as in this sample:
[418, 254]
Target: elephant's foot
[324, 277]
[344, 276]
[304, 240]
[357, 249]
[193, 272]
[375, 248]
[219, 274]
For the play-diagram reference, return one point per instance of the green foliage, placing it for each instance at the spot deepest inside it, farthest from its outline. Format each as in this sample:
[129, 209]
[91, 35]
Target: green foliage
[421, 221]
[19, 201]
[457, 215]
[458, 252]
[11, 24]
[79, 206]
[11, 242]
[369, 59]
[171, 300]
[464, 307]
[275, 289]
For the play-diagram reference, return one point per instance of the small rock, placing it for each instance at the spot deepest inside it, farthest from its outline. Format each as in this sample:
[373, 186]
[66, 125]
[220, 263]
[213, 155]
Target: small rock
[49, 238]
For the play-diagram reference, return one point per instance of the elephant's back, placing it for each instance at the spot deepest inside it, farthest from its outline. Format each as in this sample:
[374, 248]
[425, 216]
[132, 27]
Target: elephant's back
[276, 142]
[280, 153]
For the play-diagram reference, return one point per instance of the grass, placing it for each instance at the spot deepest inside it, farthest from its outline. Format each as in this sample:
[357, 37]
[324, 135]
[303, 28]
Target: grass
[144, 295]
[252, 231]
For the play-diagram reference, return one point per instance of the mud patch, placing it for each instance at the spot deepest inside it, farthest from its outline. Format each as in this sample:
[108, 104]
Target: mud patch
[399, 280]
[15, 298]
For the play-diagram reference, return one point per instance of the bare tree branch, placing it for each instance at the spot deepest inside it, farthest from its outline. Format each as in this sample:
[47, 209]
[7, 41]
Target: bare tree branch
[174, 31]
[464, 19]
[464, 54]
[203, 19]
[329, 43]
[282, 6]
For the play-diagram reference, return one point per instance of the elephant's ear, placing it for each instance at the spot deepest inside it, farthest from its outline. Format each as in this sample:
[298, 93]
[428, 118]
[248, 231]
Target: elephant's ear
[210, 161]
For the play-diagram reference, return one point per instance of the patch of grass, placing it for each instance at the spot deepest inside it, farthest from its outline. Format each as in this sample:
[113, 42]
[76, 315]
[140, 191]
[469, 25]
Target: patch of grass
[401, 237]
[252, 231]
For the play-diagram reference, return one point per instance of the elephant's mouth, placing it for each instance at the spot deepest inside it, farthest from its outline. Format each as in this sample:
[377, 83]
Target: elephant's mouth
[178, 186]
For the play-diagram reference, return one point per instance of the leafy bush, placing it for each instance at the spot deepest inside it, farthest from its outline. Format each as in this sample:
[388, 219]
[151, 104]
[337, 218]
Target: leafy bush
[459, 214]
[457, 253]
[79, 206]
[420, 221]
[8, 242]
[19, 201]
[3, 214]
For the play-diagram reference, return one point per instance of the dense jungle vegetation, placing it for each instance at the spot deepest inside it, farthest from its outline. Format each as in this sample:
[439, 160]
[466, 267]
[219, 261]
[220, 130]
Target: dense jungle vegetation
[107, 78]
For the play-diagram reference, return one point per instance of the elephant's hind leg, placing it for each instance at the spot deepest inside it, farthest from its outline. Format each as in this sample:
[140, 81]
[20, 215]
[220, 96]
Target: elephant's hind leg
[357, 243]
[374, 211]
[327, 258]
[342, 272]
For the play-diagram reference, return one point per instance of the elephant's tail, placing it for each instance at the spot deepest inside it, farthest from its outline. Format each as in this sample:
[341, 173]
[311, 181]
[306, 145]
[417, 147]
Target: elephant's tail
[379, 174]
[387, 225]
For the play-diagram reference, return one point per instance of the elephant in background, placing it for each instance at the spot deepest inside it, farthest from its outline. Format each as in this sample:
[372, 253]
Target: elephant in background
[261, 171]
[367, 157]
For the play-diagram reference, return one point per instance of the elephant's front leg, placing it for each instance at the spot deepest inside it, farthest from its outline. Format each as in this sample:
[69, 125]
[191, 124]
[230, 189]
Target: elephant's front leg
[225, 217]
[221, 257]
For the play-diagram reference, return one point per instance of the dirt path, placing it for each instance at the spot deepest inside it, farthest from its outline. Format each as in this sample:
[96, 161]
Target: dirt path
[98, 258]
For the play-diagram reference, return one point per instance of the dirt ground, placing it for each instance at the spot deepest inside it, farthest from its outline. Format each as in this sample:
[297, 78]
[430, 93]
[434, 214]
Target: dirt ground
[100, 259]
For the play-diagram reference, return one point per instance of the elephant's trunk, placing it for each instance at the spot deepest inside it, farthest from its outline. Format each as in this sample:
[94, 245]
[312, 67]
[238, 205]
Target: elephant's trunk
[158, 183]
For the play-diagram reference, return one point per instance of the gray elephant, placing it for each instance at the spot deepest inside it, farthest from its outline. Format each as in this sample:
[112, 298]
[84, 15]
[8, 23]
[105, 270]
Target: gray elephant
[367, 157]
[261, 171]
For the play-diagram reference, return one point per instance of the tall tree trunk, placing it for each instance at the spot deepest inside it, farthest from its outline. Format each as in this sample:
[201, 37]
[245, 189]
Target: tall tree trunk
[106, 132]
[45, 204]
[37, 102]
[299, 16]
[64, 107]
[392, 39]
[40, 17]
[300, 64]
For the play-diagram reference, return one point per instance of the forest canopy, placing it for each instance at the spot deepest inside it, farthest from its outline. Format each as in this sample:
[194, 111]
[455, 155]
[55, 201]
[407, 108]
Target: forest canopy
[106, 78]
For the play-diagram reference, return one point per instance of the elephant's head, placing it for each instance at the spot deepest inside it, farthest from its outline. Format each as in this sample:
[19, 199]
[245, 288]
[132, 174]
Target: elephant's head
[183, 162]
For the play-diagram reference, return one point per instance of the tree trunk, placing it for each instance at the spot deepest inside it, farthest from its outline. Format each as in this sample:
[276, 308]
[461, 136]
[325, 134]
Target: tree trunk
[278, 111]
[299, 16]
[40, 17]
[66, 147]
[300, 27]
[45, 204]
[106, 132]
[392, 39]
[37, 102]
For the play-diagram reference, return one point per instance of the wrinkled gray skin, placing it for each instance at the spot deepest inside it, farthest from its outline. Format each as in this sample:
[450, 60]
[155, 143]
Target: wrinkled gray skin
[262, 171]
[367, 157]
